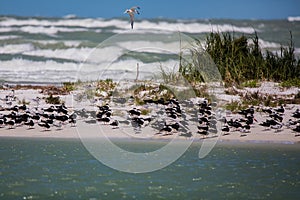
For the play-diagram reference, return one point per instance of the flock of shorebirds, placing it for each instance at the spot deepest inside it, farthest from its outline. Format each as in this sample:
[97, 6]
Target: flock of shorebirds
[169, 117]
[13, 115]
[274, 120]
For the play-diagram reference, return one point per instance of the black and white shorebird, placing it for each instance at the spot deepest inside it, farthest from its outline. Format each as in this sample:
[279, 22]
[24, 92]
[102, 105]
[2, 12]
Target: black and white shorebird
[45, 125]
[225, 130]
[131, 12]
[166, 130]
[114, 124]
[297, 130]
[30, 124]
[10, 123]
[244, 130]
[296, 114]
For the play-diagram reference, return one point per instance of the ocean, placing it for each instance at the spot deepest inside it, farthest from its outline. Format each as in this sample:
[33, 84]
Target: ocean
[64, 169]
[55, 50]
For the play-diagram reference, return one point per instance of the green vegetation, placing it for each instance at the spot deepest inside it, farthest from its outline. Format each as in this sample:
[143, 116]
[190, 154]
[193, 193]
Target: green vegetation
[291, 82]
[170, 76]
[145, 111]
[105, 88]
[156, 92]
[24, 102]
[240, 59]
[234, 106]
[69, 86]
[53, 100]
[251, 84]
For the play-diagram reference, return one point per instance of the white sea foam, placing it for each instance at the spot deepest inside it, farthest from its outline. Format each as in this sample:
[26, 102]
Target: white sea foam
[70, 16]
[8, 37]
[16, 48]
[67, 43]
[266, 44]
[292, 19]
[101, 54]
[53, 26]
[27, 65]
[192, 27]
[51, 30]
[91, 55]
[71, 53]
[87, 22]
[51, 71]
[20, 70]
[153, 47]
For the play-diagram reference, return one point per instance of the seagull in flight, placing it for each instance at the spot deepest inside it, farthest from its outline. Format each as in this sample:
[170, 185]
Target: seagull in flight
[131, 13]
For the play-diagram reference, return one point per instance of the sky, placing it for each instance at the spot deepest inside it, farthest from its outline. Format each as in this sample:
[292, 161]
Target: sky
[177, 9]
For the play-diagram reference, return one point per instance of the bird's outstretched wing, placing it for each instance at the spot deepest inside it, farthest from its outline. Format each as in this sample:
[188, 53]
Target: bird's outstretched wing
[135, 9]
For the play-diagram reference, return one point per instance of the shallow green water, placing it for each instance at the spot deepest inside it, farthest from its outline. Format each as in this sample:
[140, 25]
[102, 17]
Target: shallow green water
[63, 169]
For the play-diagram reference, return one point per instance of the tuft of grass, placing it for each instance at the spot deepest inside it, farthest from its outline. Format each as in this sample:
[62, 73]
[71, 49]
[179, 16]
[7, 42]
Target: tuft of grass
[291, 82]
[145, 111]
[69, 86]
[107, 86]
[24, 102]
[53, 99]
[234, 106]
[250, 84]
[169, 76]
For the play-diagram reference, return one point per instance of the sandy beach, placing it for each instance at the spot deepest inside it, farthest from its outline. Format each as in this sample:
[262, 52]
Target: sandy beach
[257, 135]
[99, 129]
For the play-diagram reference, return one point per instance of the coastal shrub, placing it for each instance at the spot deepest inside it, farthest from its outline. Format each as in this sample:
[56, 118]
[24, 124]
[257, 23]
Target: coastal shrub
[106, 85]
[240, 59]
[53, 99]
[104, 88]
[69, 86]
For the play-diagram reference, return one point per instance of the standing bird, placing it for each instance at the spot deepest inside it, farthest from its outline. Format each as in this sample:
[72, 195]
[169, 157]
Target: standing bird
[131, 13]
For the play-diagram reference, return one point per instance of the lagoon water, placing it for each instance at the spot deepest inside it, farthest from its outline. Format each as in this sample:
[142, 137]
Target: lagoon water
[64, 169]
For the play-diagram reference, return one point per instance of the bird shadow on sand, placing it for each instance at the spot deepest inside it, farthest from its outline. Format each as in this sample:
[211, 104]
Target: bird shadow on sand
[46, 130]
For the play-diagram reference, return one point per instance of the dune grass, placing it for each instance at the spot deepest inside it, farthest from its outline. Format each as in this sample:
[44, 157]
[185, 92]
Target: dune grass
[241, 59]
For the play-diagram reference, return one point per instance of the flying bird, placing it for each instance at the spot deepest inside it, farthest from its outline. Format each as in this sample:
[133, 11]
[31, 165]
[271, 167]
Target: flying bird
[131, 13]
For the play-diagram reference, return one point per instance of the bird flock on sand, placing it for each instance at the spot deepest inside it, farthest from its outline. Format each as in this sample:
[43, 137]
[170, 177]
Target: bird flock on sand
[13, 115]
[167, 117]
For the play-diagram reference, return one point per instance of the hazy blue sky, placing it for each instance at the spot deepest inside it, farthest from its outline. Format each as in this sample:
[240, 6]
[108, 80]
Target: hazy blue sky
[237, 9]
